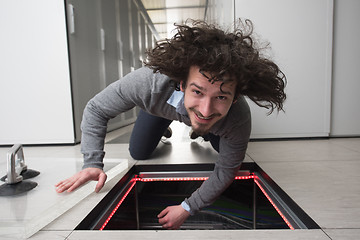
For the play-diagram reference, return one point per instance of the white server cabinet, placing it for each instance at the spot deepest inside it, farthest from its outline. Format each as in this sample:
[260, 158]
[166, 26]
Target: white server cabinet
[35, 91]
[300, 33]
[55, 56]
[345, 111]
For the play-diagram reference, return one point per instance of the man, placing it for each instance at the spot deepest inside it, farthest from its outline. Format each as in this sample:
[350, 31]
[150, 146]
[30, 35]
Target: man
[198, 77]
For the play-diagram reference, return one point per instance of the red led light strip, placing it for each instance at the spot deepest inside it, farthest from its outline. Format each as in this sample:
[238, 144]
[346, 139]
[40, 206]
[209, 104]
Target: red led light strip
[186, 179]
[134, 180]
[273, 204]
[118, 205]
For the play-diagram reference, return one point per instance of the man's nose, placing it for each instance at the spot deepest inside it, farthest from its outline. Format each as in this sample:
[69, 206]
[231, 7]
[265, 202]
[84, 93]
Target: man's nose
[205, 107]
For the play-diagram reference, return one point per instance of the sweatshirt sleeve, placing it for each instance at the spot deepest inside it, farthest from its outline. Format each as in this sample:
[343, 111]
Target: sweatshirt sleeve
[232, 149]
[135, 89]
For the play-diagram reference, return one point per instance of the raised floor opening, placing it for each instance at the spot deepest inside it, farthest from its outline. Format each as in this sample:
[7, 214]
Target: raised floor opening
[252, 201]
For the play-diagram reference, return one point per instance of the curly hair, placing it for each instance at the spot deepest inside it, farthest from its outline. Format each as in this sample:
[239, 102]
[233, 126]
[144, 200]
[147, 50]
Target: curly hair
[223, 54]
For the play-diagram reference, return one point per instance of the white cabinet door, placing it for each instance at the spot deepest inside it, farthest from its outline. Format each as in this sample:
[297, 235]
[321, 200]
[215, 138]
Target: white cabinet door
[345, 114]
[35, 92]
[300, 34]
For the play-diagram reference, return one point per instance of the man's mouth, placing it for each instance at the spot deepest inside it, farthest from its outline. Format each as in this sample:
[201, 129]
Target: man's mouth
[203, 118]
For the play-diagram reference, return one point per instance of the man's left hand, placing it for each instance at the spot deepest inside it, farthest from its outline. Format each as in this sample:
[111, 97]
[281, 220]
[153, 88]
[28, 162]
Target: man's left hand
[173, 217]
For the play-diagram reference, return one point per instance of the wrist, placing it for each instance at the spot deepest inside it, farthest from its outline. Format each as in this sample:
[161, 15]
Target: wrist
[185, 206]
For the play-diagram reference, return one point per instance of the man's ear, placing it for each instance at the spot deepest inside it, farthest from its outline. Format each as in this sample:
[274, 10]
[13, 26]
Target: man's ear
[235, 99]
[182, 86]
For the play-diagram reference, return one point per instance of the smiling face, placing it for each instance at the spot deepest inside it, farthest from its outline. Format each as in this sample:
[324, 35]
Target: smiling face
[206, 102]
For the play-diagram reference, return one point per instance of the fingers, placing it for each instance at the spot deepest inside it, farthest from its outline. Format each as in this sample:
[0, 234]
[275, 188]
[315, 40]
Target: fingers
[69, 184]
[163, 213]
[63, 185]
[173, 217]
[165, 219]
[101, 182]
[58, 184]
[164, 222]
[59, 187]
[162, 218]
[80, 178]
[75, 184]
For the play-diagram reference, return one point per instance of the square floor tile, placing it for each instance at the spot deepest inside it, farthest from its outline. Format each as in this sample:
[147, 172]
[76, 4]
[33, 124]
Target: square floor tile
[203, 234]
[326, 190]
[304, 150]
[343, 234]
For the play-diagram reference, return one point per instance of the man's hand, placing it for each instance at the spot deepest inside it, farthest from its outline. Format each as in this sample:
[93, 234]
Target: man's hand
[173, 217]
[82, 177]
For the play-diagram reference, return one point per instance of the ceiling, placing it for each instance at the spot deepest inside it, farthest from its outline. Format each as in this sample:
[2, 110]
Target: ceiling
[164, 13]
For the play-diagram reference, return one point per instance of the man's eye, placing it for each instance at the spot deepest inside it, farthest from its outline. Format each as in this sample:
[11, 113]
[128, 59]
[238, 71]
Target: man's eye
[222, 97]
[197, 92]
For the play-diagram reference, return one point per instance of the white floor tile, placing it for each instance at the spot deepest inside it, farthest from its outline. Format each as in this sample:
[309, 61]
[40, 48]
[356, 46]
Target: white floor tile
[50, 235]
[326, 190]
[350, 143]
[300, 150]
[343, 234]
[202, 234]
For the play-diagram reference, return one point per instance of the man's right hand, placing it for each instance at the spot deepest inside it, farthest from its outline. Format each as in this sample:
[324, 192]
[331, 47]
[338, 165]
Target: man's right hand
[81, 178]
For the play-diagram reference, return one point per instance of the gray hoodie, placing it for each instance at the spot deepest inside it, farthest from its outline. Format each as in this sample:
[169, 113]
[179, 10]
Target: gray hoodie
[151, 91]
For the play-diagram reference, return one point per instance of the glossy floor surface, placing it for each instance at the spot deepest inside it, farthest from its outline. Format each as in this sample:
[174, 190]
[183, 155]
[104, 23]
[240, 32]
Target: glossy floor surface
[321, 176]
